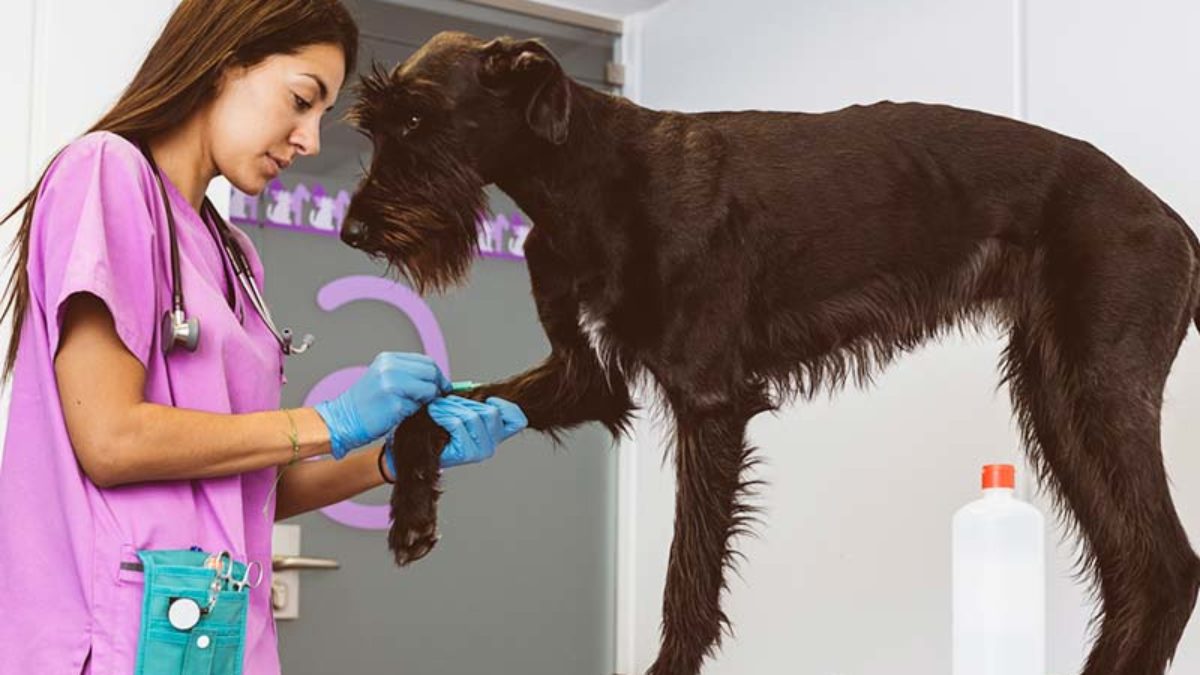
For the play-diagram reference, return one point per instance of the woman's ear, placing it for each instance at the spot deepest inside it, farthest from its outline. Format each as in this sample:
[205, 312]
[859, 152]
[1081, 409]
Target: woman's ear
[227, 72]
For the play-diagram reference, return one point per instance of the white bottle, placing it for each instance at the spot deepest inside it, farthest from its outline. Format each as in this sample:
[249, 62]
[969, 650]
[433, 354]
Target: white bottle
[999, 582]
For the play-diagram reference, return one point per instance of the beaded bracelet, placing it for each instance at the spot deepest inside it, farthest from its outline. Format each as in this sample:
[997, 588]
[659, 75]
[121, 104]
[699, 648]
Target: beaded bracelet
[294, 437]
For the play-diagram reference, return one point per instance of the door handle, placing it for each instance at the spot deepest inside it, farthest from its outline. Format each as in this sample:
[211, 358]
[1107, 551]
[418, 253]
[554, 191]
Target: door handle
[280, 563]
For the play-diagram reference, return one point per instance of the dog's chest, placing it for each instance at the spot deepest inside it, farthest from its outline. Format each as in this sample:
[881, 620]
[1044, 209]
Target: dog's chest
[593, 328]
[605, 344]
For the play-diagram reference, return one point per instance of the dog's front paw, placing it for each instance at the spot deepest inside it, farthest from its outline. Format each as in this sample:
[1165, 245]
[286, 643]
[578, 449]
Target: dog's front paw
[414, 518]
[413, 540]
[417, 446]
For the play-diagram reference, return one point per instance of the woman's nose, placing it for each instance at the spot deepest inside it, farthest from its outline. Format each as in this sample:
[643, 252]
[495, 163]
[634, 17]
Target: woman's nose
[307, 138]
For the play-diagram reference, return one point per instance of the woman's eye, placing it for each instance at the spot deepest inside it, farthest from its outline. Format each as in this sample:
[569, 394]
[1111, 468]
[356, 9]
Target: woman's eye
[301, 104]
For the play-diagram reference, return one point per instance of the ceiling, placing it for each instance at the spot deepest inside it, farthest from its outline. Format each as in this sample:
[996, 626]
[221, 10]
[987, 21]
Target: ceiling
[613, 8]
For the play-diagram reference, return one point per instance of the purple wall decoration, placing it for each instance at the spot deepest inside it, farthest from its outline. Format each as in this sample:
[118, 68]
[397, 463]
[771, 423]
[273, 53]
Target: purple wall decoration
[352, 289]
[316, 210]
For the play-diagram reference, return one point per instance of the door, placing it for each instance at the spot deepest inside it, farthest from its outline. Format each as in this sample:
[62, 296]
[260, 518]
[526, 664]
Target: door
[523, 578]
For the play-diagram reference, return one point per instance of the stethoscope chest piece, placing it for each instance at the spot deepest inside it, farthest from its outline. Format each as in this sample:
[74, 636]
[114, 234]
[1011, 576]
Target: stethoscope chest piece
[178, 330]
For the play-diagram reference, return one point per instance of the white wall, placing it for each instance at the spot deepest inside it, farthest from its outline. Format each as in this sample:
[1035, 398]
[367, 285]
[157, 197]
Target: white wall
[16, 61]
[64, 63]
[851, 572]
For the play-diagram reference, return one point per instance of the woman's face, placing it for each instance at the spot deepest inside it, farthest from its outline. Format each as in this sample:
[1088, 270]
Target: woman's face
[267, 114]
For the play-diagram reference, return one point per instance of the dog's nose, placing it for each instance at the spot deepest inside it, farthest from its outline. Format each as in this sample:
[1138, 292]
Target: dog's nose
[353, 232]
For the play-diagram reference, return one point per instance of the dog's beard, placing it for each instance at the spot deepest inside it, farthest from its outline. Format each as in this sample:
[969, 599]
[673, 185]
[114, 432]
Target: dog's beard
[426, 229]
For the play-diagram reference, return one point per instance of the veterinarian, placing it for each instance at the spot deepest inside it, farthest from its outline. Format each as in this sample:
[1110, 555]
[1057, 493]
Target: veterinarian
[145, 433]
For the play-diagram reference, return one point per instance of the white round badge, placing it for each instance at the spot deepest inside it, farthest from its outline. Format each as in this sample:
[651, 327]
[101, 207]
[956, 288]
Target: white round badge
[183, 613]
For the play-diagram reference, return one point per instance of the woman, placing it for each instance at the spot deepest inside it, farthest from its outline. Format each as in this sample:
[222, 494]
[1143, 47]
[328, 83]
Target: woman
[120, 440]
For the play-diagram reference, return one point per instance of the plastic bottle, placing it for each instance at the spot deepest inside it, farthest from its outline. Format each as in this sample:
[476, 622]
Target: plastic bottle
[999, 582]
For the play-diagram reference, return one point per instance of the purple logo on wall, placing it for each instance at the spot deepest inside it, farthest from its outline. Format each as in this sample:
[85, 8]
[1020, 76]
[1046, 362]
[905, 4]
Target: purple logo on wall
[316, 210]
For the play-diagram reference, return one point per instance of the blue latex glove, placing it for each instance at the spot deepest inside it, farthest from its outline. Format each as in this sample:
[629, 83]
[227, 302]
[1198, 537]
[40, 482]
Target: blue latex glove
[475, 428]
[395, 386]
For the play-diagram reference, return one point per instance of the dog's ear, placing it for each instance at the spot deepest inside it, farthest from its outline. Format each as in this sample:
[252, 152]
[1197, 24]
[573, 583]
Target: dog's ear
[526, 69]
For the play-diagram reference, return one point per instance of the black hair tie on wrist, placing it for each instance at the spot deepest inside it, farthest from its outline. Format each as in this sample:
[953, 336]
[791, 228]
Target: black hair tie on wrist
[379, 461]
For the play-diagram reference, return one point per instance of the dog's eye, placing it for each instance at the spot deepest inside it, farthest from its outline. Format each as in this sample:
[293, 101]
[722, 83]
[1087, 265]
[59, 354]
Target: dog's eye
[410, 125]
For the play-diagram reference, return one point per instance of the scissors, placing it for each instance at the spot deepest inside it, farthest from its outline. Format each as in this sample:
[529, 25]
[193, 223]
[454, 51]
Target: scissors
[253, 569]
[222, 565]
[185, 613]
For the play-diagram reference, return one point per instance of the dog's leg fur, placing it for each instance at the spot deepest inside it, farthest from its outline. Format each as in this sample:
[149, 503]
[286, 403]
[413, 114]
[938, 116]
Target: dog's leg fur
[1097, 445]
[570, 387]
[417, 446]
[564, 391]
[711, 459]
[712, 395]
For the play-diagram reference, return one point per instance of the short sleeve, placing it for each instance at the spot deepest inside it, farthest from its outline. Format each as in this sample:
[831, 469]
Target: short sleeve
[95, 233]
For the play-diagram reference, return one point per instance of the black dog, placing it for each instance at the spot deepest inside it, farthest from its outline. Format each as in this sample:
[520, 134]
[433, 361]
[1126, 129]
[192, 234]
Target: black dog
[741, 258]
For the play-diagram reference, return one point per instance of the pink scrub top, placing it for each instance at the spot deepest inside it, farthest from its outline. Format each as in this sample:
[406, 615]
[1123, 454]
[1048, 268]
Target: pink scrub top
[99, 227]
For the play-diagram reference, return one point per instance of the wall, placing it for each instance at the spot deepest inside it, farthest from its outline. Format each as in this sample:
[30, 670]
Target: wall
[850, 573]
[64, 63]
[16, 70]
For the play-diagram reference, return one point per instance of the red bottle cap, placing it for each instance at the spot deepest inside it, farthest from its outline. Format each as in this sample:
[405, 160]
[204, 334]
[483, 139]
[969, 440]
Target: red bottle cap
[999, 476]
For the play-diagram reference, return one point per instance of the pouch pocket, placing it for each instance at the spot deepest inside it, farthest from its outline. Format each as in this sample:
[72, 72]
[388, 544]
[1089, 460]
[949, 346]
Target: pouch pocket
[214, 646]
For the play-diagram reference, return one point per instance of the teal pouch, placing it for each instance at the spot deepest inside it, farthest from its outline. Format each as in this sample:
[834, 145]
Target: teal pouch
[215, 643]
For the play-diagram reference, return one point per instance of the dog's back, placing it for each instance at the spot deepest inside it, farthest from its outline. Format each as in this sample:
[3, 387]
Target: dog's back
[890, 199]
[896, 174]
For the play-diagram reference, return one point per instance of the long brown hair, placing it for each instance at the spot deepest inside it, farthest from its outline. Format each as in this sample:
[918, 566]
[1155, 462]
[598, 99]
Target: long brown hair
[180, 74]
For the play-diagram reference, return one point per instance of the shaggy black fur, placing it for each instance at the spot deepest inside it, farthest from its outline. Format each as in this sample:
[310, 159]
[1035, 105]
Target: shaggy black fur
[740, 258]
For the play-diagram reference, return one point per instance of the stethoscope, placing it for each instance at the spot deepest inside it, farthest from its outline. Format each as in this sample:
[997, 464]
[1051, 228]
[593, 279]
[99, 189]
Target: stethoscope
[177, 329]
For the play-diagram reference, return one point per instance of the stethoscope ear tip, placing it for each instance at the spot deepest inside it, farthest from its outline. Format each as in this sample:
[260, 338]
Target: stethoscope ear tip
[290, 348]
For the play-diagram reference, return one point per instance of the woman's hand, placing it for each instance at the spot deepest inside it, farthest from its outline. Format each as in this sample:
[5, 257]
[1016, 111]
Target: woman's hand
[395, 386]
[475, 428]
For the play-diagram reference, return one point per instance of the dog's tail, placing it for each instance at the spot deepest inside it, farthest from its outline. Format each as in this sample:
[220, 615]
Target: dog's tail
[1191, 235]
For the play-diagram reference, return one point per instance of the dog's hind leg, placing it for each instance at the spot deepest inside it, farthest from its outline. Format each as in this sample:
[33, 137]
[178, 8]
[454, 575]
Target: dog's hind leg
[711, 457]
[1091, 345]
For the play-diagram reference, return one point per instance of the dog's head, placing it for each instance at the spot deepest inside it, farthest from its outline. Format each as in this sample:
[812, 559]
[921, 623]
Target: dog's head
[442, 123]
